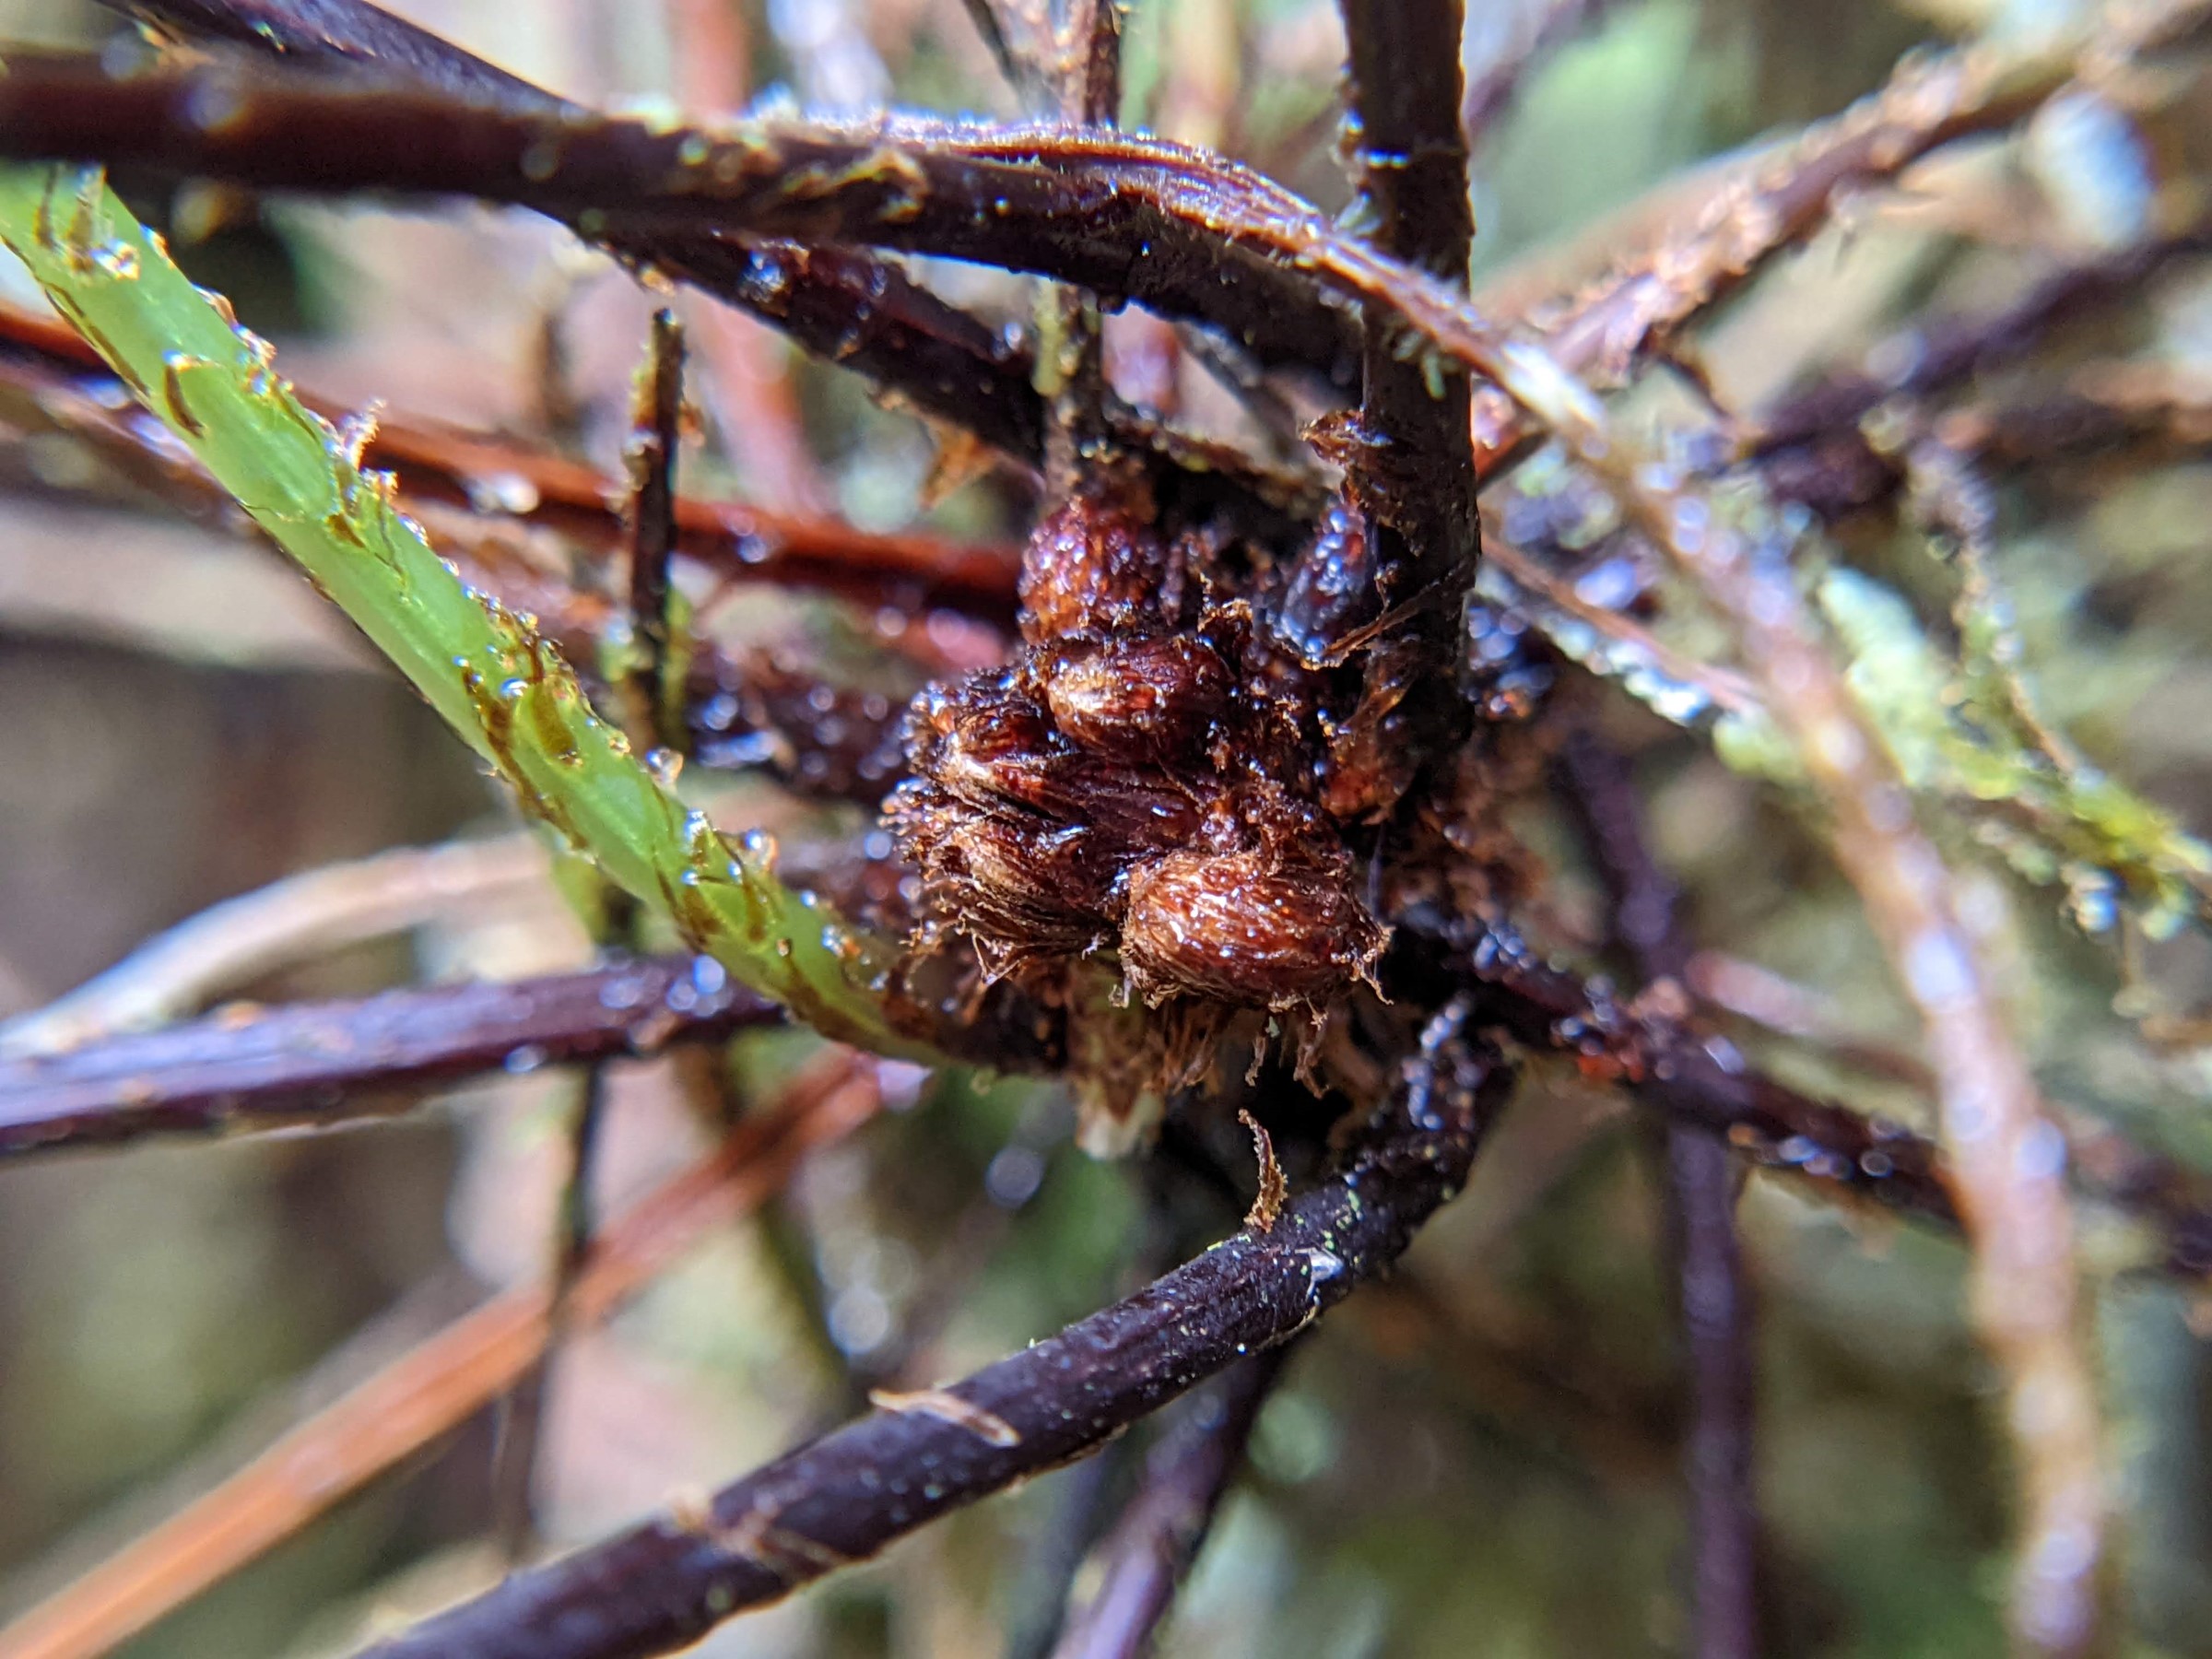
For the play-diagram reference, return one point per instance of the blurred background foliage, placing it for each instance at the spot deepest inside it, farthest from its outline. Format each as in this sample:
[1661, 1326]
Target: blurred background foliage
[1475, 1460]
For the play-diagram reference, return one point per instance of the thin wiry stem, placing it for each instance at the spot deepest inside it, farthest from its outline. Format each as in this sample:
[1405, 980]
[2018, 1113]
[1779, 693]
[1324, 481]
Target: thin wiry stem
[1146, 1555]
[653, 446]
[1713, 1294]
[433, 1388]
[663, 1584]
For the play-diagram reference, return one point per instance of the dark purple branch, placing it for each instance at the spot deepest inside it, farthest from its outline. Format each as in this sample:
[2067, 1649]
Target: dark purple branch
[845, 1497]
[1714, 1302]
[1706, 1082]
[324, 1063]
[842, 307]
[1121, 216]
[1150, 1550]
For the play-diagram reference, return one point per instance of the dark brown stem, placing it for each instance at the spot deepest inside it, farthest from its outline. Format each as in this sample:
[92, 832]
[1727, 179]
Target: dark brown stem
[1704, 1081]
[1714, 1301]
[1120, 217]
[1149, 1552]
[1405, 88]
[916, 1457]
[326, 1063]
[843, 307]
[1412, 156]
[653, 443]
[1071, 366]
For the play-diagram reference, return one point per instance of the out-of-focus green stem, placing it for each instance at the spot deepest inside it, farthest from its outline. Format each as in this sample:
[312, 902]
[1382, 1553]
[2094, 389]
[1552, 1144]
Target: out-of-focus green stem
[483, 667]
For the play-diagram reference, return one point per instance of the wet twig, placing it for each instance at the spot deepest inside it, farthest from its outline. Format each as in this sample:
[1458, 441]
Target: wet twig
[653, 443]
[326, 1063]
[842, 306]
[1418, 460]
[845, 1497]
[438, 1385]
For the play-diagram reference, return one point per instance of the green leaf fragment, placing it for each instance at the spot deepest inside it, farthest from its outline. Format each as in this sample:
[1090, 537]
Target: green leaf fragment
[483, 667]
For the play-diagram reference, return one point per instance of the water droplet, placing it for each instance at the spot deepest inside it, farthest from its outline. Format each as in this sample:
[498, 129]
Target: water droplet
[503, 492]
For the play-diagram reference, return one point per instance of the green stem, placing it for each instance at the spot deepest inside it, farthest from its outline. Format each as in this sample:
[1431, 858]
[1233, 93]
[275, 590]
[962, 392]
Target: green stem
[482, 666]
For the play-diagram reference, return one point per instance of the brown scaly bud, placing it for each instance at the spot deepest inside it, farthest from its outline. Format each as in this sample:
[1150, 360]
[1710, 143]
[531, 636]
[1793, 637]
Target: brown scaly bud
[1135, 782]
[1094, 566]
[1329, 590]
[1241, 928]
[1141, 699]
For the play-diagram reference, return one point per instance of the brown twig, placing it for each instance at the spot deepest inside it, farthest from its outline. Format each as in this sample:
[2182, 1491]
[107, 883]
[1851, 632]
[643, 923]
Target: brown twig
[325, 1063]
[845, 1497]
[433, 1388]
[838, 305]
[1404, 91]
[1084, 72]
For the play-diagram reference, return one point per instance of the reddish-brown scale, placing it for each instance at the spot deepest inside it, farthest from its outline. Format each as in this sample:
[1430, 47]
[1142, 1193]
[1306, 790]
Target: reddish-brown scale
[1372, 760]
[1096, 567]
[1243, 928]
[1156, 698]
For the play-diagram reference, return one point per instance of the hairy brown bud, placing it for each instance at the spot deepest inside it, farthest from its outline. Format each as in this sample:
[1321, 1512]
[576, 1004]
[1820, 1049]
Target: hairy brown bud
[1241, 928]
[1141, 699]
[1137, 782]
[1095, 565]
